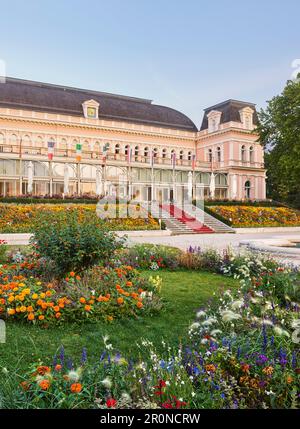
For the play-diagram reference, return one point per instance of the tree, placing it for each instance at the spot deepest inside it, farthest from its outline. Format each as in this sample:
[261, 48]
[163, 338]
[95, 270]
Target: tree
[279, 131]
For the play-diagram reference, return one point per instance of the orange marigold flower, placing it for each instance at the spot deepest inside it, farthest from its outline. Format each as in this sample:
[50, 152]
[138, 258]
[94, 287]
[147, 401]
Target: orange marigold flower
[41, 317]
[76, 388]
[78, 278]
[72, 274]
[57, 315]
[82, 300]
[110, 318]
[24, 385]
[245, 367]
[58, 367]
[30, 316]
[268, 370]
[139, 304]
[289, 379]
[30, 309]
[129, 284]
[44, 384]
[210, 368]
[56, 308]
[48, 293]
[87, 308]
[120, 301]
[42, 369]
[11, 311]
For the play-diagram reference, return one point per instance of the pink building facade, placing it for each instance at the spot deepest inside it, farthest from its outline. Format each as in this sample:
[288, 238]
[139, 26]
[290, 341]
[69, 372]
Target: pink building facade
[58, 140]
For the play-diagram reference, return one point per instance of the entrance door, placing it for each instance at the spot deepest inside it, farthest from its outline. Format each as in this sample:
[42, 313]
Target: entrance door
[149, 194]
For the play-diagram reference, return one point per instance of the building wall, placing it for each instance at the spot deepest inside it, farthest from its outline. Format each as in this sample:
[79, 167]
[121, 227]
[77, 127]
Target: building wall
[24, 136]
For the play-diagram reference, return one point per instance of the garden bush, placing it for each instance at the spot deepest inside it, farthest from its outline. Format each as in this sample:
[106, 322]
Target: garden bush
[151, 256]
[74, 245]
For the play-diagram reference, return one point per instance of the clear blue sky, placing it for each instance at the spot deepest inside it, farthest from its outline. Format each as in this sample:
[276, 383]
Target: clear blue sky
[187, 54]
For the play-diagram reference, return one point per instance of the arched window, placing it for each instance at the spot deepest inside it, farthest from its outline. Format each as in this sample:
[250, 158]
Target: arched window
[164, 153]
[136, 153]
[248, 189]
[126, 149]
[189, 156]
[219, 154]
[181, 155]
[243, 153]
[210, 155]
[146, 151]
[155, 152]
[117, 149]
[251, 154]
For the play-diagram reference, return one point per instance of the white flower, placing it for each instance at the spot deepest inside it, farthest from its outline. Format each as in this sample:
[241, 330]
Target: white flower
[295, 323]
[296, 336]
[209, 321]
[200, 313]
[194, 326]
[74, 375]
[215, 332]
[237, 304]
[126, 397]
[228, 316]
[266, 322]
[107, 383]
[281, 332]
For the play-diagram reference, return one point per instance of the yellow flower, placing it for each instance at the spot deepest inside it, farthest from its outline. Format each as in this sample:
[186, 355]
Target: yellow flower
[11, 311]
[42, 295]
[35, 296]
[11, 298]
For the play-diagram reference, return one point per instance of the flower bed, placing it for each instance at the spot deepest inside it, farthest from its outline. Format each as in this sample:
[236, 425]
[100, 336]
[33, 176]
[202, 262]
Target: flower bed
[247, 216]
[100, 294]
[23, 218]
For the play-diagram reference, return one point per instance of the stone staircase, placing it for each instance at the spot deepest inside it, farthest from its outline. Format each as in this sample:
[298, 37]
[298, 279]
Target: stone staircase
[213, 223]
[178, 226]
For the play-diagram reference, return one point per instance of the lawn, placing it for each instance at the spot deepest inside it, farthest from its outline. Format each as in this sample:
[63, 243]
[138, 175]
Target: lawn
[183, 293]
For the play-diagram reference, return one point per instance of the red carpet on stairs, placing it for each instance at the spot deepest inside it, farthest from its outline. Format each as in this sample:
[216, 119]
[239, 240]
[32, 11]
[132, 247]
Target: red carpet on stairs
[187, 219]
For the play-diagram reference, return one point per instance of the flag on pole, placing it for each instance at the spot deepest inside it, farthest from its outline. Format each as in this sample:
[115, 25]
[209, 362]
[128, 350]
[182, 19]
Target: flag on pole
[51, 145]
[194, 161]
[129, 154]
[152, 158]
[105, 150]
[173, 159]
[78, 152]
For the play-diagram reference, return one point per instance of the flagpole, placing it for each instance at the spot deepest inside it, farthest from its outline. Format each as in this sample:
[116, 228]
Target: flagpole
[152, 177]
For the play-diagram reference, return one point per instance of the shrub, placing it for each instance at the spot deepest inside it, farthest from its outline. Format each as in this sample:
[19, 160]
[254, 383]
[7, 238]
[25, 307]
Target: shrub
[74, 246]
[150, 256]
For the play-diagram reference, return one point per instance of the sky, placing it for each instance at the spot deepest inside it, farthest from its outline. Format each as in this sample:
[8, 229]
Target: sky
[185, 54]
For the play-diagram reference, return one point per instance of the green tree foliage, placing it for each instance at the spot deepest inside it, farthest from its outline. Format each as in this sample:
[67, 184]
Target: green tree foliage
[279, 131]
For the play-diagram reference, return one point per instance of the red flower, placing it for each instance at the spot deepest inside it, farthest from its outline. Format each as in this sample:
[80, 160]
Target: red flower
[111, 403]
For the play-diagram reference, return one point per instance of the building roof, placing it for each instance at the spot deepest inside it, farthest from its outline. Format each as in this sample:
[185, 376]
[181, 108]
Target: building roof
[230, 112]
[44, 97]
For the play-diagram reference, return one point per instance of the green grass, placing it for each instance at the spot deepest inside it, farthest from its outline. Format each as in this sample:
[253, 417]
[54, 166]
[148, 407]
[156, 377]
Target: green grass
[183, 293]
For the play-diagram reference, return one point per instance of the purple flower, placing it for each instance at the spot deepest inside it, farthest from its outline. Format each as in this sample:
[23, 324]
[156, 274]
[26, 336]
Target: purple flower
[83, 356]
